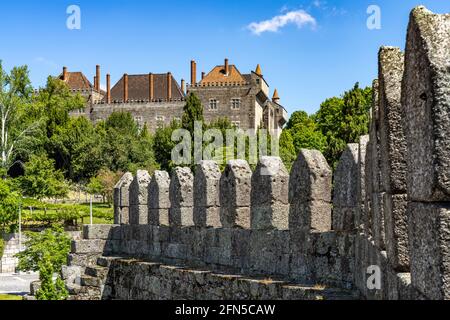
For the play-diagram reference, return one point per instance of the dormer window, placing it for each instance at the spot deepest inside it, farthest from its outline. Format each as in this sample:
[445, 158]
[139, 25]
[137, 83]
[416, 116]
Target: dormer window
[213, 104]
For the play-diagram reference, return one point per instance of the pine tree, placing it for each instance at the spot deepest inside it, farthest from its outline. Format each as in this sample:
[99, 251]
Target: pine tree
[193, 111]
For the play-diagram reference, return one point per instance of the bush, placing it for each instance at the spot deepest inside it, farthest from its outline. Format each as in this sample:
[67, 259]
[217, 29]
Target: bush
[49, 289]
[2, 245]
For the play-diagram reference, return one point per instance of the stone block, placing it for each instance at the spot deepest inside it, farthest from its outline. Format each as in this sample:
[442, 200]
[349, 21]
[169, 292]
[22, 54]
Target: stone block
[89, 246]
[313, 215]
[378, 216]
[310, 178]
[207, 194]
[345, 178]
[101, 232]
[426, 103]
[139, 214]
[362, 214]
[310, 192]
[392, 137]
[139, 188]
[122, 197]
[269, 196]
[158, 191]
[181, 217]
[429, 244]
[182, 188]
[396, 227]
[158, 216]
[235, 195]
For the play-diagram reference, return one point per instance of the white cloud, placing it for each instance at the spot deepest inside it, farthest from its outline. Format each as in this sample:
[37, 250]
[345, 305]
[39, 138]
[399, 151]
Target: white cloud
[298, 17]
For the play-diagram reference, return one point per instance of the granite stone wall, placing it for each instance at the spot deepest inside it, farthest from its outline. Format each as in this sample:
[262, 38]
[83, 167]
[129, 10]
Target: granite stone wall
[378, 226]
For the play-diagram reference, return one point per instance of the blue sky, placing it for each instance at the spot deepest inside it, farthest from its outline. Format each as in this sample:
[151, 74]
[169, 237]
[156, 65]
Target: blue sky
[329, 50]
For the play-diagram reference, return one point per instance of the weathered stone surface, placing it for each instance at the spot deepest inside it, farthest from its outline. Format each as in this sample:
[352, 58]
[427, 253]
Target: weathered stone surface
[89, 246]
[181, 197]
[345, 193]
[139, 198]
[101, 232]
[396, 228]
[429, 244]
[310, 178]
[378, 217]
[426, 103]
[310, 192]
[122, 198]
[392, 137]
[373, 174]
[159, 198]
[363, 214]
[207, 194]
[235, 195]
[269, 195]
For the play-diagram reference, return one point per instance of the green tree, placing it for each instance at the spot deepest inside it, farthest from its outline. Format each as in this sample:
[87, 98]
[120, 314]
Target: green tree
[17, 127]
[9, 206]
[46, 252]
[343, 120]
[163, 145]
[192, 112]
[287, 149]
[41, 180]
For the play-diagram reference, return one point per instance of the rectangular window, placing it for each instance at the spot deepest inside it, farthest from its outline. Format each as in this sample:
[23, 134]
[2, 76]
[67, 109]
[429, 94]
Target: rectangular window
[235, 104]
[213, 104]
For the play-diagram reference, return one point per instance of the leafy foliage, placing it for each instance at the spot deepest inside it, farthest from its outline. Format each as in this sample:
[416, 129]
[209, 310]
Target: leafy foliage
[9, 206]
[41, 180]
[343, 120]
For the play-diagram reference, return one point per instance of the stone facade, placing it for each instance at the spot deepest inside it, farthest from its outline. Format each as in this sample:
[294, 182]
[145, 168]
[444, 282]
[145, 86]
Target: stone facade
[241, 98]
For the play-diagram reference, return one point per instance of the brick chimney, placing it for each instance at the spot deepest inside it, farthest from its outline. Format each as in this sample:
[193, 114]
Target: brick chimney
[227, 67]
[97, 73]
[151, 86]
[169, 86]
[193, 72]
[108, 88]
[183, 86]
[64, 77]
[125, 87]
[203, 75]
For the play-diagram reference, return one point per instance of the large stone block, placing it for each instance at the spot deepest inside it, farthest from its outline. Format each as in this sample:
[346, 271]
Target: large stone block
[310, 192]
[138, 214]
[378, 217]
[426, 103]
[429, 244]
[101, 232]
[158, 198]
[181, 212]
[392, 137]
[269, 195]
[345, 193]
[363, 212]
[207, 194]
[122, 197]
[139, 188]
[396, 228]
[182, 188]
[235, 195]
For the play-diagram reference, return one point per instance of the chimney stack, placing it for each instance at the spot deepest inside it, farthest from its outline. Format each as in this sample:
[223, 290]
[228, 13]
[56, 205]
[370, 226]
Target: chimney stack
[203, 75]
[183, 86]
[151, 86]
[193, 72]
[108, 88]
[64, 74]
[97, 73]
[169, 86]
[125, 87]
[227, 67]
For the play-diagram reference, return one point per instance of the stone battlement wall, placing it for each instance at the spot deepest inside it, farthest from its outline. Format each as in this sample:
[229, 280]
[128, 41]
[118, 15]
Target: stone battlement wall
[380, 226]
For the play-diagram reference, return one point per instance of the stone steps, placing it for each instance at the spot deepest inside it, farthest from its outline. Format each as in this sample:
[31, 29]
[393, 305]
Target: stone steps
[156, 281]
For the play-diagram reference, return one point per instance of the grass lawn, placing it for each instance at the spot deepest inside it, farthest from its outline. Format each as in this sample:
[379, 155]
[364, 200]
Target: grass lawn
[9, 297]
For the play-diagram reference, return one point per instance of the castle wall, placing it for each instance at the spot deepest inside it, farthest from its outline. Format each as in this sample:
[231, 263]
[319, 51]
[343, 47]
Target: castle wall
[381, 229]
[152, 113]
